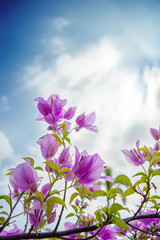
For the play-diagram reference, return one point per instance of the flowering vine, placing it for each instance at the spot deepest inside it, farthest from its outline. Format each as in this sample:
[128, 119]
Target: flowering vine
[46, 205]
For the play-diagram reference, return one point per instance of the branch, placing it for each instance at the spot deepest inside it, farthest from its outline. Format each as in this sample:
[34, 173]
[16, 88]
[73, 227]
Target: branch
[12, 209]
[62, 209]
[71, 231]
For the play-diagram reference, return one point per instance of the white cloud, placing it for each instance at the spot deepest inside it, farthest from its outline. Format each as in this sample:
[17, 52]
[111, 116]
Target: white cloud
[57, 45]
[6, 150]
[60, 23]
[151, 78]
[95, 80]
[6, 154]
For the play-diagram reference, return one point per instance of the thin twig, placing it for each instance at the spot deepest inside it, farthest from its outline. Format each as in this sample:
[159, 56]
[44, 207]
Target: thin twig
[62, 209]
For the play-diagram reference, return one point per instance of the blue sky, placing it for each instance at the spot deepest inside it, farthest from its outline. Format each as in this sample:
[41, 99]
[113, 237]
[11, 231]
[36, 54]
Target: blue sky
[103, 56]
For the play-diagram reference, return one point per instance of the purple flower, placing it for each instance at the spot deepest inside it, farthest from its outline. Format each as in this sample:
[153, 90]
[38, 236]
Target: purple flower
[86, 122]
[65, 159]
[107, 233]
[68, 226]
[52, 217]
[155, 133]
[36, 214]
[45, 189]
[134, 156]
[70, 113]
[48, 145]
[13, 231]
[157, 146]
[88, 168]
[24, 177]
[51, 110]
[43, 106]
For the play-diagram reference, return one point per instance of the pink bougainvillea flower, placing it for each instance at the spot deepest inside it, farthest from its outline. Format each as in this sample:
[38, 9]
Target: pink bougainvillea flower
[51, 110]
[157, 146]
[48, 145]
[88, 168]
[45, 189]
[65, 159]
[108, 179]
[107, 233]
[155, 133]
[68, 226]
[36, 214]
[86, 121]
[43, 106]
[52, 217]
[70, 113]
[24, 177]
[135, 157]
[13, 231]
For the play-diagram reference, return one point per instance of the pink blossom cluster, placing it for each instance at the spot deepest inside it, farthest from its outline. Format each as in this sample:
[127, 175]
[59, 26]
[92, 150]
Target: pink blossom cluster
[84, 173]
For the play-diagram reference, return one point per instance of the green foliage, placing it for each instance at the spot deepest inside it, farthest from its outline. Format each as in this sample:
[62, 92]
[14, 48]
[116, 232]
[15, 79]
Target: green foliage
[123, 179]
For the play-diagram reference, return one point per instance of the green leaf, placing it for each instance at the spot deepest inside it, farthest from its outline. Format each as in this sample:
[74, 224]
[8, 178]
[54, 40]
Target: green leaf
[64, 169]
[98, 216]
[53, 166]
[38, 168]
[73, 196]
[57, 200]
[48, 207]
[115, 207]
[114, 191]
[3, 212]
[31, 198]
[106, 210]
[128, 192]
[68, 140]
[41, 195]
[143, 149]
[139, 174]
[123, 179]
[41, 225]
[155, 159]
[2, 220]
[70, 215]
[156, 172]
[120, 223]
[6, 198]
[98, 193]
[55, 191]
[75, 208]
[155, 196]
[58, 139]
[9, 173]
